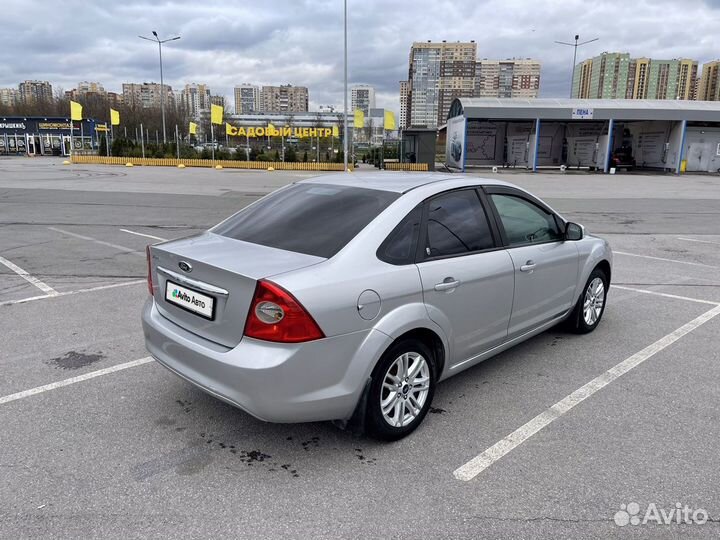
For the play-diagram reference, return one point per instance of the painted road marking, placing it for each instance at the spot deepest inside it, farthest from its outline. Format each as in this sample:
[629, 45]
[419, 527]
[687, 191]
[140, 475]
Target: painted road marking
[145, 235]
[101, 242]
[666, 295]
[73, 380]
[68, 293]
[482, 461]
[663, 259]
[696, 240]
[44, 287]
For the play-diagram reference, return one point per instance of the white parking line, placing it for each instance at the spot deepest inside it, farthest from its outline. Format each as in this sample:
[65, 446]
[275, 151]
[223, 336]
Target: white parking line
[481, 462]
[101, 242]
[696, 240]
[44, 287]
[68, 293]
[145, 235]
[663, 259]
[666, 295]
[73, 380]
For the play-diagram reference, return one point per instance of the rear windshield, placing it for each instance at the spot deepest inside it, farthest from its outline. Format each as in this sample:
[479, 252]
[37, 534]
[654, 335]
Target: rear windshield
[315, 219]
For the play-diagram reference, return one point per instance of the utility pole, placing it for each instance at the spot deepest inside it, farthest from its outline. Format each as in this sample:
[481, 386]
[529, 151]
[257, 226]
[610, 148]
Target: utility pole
[345, 110]
[575, 48]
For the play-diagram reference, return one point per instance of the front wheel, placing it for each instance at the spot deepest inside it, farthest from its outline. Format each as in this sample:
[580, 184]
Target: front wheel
[402, 388]
[591, 304]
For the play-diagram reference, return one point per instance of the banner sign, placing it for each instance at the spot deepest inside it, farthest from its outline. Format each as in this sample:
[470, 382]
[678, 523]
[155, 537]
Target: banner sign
[287, 131]
[53, 125]
[583, 113]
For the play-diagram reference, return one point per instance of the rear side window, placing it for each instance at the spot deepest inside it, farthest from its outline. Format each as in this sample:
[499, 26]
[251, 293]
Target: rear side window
[315, 219]
[457, 224]
[399, 247]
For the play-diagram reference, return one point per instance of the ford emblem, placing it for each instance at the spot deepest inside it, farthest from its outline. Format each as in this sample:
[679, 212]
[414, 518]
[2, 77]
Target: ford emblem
[185, 266]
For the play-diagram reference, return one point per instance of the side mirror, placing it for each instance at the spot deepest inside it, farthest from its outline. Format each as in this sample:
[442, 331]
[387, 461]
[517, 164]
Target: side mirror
[573, 231]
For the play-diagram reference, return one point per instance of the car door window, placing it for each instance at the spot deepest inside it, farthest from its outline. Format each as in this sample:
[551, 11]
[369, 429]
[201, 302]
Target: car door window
[457, 224]
[525, 222]
[399, 247]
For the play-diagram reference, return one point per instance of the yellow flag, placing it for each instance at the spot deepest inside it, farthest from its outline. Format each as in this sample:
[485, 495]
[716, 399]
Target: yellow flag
[270, 129]
[216, 114]
[229, 129]
[335, 131]
[389, 120]
[114, 117]
[75, 111]
[359, 120]
[193, 128]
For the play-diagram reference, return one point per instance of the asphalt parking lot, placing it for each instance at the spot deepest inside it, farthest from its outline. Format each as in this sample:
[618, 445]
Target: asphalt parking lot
[550, 439]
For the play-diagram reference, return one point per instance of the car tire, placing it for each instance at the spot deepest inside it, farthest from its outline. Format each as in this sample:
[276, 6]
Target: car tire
[401, 390]
[590, 305]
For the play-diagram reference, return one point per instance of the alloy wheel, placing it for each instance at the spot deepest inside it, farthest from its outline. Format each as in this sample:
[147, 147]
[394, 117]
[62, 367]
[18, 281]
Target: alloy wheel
[594, 301]
[405, 389]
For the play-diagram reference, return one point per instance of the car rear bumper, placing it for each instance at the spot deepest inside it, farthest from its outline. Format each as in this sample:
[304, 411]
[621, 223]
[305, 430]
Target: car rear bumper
[304, 382]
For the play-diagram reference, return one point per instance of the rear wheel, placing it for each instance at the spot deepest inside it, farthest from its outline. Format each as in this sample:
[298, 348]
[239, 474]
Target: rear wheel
[591, 304]
[401, 390]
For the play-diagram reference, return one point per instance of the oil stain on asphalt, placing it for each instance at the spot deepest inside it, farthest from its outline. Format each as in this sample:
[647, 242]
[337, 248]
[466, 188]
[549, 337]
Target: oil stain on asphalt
[75, 360]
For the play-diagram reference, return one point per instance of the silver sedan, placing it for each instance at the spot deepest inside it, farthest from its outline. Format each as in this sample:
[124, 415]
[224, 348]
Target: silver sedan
[348, 297]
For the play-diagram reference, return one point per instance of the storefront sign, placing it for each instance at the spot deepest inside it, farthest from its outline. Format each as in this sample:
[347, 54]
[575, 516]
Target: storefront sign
[582, 113]
[9, 125]
[286, 131]
[53, 125]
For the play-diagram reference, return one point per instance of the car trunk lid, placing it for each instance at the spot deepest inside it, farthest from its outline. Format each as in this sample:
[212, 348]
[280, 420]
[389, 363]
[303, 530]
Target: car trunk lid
[205, 283]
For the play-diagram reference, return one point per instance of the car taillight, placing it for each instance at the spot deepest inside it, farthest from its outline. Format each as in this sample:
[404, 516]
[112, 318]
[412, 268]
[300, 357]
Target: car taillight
[276, 315]
[149, 270]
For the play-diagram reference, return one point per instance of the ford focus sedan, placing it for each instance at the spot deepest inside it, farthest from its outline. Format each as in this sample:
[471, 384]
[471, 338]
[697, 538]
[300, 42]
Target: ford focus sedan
[348, 297]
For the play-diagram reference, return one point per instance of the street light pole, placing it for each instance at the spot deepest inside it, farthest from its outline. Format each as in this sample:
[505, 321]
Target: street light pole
[162, 84]
[345, 90]
[575, 48]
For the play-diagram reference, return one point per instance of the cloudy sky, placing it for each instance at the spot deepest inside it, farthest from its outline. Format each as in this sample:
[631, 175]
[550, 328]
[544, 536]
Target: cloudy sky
[300, 42]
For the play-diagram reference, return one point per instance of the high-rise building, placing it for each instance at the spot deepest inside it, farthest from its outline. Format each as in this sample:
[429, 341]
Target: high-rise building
[217, 100]
[284, 98]
[512, 78]
[617, 76]
[147, 95]
[195, 98]
[85, 90]
[438, 73]
[247, 99]
[31, 91]
[604, 76]
[9, 97]
[404, 121]
[362, 96]
[709, 84]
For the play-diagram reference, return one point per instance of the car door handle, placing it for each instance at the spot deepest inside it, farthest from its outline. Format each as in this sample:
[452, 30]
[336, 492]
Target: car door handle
[447, 284]
[528, 266]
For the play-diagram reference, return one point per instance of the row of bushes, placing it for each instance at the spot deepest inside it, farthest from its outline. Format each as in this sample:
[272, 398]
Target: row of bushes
[121, 147]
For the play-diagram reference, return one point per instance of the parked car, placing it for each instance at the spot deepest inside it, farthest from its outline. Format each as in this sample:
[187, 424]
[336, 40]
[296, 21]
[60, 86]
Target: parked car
[349, 297]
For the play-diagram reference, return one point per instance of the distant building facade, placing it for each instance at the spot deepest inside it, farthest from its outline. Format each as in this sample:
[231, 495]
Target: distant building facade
[512, 78]
[403, 121]
[247, 99]
[34, 91]
[9, 97]
[708, 88]
[437, 74]
[147, 95]
[362, 97]
[618, 76]
[195, 98]
[284, 98]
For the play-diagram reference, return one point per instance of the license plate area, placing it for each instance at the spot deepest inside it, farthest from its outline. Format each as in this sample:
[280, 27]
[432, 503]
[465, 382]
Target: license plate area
[190, 300]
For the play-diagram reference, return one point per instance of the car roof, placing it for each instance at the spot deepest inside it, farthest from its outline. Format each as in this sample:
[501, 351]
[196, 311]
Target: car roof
[398, 182]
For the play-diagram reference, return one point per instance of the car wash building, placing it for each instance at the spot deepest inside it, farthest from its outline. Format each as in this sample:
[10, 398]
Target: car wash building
[45, 136]
[602, 135]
